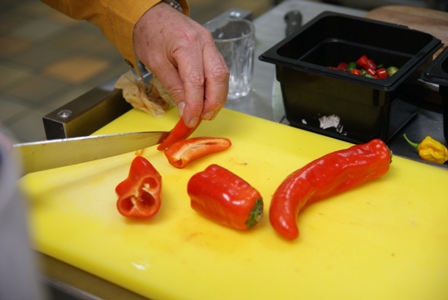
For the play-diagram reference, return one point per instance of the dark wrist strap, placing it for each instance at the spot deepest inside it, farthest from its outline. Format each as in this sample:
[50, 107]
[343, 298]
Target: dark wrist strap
[174, 4]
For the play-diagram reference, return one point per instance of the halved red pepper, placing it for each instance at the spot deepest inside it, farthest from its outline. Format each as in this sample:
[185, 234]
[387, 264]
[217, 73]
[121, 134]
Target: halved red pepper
[178, 133]
[139, 194]
[324, 177]
[181, 153]
[225, 198]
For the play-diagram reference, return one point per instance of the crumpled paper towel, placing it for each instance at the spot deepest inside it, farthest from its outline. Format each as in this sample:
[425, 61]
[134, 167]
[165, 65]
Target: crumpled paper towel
[151, 98]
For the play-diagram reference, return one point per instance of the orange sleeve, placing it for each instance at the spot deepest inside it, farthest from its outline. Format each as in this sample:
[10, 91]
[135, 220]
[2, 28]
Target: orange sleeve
[115, 18]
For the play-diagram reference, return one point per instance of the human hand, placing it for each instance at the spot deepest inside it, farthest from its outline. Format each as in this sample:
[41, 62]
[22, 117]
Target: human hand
[182, 55]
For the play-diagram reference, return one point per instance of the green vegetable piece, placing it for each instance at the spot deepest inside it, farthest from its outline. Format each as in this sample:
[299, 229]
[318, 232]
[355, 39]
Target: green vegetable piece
[392, 70]
[351, 65]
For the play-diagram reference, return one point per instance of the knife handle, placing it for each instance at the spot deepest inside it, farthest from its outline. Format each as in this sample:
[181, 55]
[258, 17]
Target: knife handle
[293, 21]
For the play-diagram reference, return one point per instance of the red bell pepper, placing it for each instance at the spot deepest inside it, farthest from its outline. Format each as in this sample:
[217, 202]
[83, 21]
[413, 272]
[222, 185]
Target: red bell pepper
[180, 154]
[225, 198]
[178, 133]
[139, 194]
[324, 177]
[382, 73]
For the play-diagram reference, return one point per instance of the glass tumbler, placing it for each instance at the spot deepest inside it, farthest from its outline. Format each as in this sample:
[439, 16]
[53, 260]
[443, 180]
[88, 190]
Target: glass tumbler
[235, 40]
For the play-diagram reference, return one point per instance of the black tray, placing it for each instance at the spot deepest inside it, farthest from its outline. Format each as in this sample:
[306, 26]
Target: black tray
[365, 106]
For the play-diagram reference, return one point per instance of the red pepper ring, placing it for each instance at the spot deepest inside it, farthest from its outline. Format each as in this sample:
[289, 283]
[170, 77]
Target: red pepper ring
[180, 154]
[139, 194]
[178, 133]
[225, 198]
[324, 177]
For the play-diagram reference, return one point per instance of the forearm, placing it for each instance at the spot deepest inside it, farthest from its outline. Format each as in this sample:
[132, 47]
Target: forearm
[115, 18]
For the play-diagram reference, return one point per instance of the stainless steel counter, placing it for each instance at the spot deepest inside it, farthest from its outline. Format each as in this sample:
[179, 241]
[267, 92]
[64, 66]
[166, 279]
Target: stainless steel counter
[270, 29]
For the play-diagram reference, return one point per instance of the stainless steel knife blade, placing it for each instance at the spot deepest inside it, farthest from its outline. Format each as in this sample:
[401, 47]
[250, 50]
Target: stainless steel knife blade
[43, 155]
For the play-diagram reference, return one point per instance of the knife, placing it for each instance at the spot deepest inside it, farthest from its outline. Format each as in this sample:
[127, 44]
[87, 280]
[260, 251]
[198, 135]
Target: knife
[43, 155]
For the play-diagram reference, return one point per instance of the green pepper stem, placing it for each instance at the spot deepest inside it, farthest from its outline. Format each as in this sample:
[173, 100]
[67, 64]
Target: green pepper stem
[415, 145]
[256, 214]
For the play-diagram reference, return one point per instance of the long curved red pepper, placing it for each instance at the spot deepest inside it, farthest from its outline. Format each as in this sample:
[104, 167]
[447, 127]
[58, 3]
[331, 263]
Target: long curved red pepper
[181, 153]
[178, 133]
[324, 177]
[139, 193]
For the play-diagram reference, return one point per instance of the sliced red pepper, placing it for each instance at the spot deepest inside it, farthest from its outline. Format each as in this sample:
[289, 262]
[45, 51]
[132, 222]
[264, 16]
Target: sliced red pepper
[180, 154]
[382, 73]
[178, 133]
[225, 198]
[362, 61]
[342, 66]
[355, 72]
[367, 67]
[324, 177]
[371, 72]
[370, 65]
[139, 194]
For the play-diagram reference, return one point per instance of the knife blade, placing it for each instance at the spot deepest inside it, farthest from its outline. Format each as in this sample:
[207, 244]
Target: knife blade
[43, 155]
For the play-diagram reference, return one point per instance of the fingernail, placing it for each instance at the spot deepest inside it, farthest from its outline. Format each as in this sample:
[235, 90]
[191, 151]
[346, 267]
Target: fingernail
[208, 115]
[214, 114]
[180, 108]
[192, 122]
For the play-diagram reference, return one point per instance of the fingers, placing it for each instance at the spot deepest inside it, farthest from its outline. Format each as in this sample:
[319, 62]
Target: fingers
[184, 79]
[206, 79]
[192, 74]
[216, 82]
[184, 58]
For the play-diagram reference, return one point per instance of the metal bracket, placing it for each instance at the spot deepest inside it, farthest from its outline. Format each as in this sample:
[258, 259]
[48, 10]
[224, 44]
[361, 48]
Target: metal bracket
[87, 113]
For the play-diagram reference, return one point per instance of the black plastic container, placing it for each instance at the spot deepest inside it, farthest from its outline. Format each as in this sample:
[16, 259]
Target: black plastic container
[437, 73]
[367, 108]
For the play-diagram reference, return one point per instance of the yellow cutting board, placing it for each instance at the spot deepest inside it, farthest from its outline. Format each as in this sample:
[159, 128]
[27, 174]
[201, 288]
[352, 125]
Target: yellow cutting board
[387, 239]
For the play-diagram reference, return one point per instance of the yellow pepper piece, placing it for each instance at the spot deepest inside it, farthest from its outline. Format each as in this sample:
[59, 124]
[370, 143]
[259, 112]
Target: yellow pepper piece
[430, 150]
